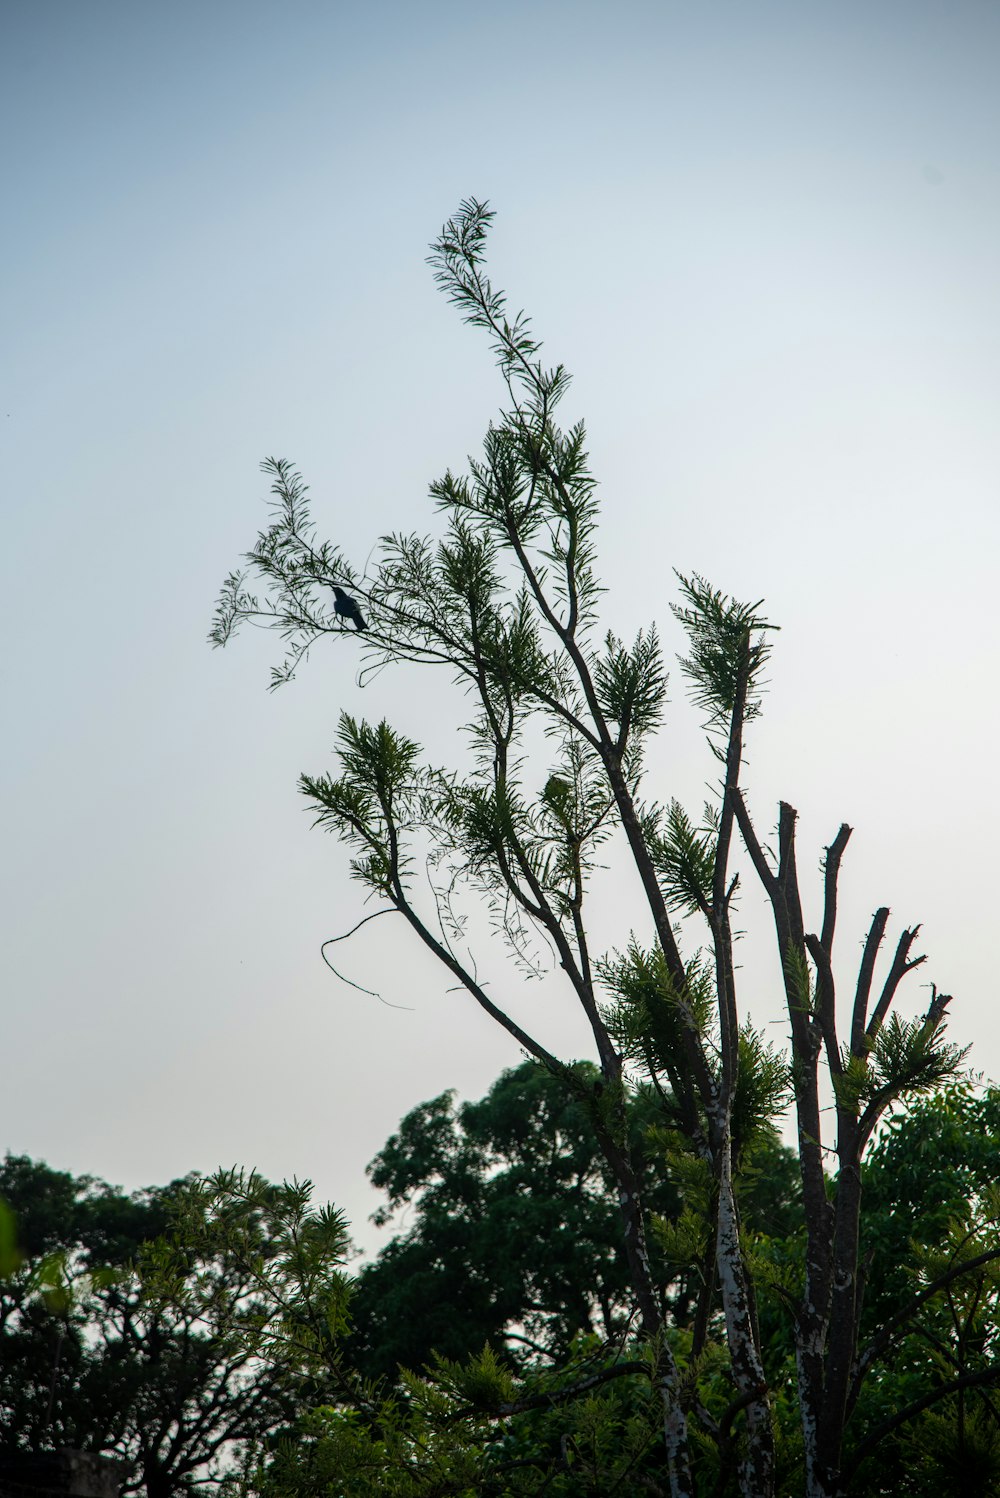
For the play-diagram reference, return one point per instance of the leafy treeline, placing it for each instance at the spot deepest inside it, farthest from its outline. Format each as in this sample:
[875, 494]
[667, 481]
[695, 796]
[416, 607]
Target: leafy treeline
[210, 1329]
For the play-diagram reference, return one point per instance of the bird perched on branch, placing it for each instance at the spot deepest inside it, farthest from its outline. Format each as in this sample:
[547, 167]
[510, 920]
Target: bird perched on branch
[346, 607]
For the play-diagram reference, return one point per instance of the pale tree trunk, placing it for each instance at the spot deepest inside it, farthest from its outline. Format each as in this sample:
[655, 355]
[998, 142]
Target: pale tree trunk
[675, 1425]
[675, 1440]
[757, 1466]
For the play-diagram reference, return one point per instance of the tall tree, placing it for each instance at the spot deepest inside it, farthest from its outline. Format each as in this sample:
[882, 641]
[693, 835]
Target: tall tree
[508, 600]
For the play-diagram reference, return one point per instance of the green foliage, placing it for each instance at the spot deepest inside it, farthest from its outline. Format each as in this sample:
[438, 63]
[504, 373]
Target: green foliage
[910, 1056]
[762, 1091]
[500, 1223]
[253, 1269]
[685, 861]
[297, 569]
[928, 1170]
[645, 1015]
[799, 980]
[632, 684]
[647, 1025]
[954, 1451]
[10, 1255]
[289, 1295]
[372, 801]
[471, 1429]
[931, 1209]
[481, 1383]
[512, 1232]
[727, 642]
[906, 1057]
[172, 1329]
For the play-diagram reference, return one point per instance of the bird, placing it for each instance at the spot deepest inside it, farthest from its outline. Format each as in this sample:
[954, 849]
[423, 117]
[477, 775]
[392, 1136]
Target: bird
[346, 607]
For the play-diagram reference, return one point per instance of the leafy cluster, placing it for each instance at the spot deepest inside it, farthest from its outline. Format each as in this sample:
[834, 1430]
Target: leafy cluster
[124, 1326]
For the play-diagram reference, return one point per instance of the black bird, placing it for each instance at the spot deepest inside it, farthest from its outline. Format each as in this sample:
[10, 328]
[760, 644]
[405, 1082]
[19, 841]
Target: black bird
[346, 607]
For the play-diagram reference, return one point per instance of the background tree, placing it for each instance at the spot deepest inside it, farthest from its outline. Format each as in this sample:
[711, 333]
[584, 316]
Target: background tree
[930, 1228]
[508, 600]
[72, 1237]
[138, 1327]
[512, 1237]
[509, 1232]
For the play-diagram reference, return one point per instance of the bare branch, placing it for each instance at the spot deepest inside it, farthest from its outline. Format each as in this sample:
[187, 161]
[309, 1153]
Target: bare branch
[902, 964]
[866, 972]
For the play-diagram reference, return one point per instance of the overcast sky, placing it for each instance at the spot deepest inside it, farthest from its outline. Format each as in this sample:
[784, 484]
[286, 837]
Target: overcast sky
[765, 239]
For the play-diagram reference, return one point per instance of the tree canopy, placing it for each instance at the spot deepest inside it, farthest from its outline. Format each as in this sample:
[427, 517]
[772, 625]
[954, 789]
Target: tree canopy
[148, 1327]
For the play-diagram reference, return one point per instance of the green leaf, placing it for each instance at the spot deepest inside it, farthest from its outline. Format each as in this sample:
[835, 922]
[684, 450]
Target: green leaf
[685, 861]
[724, 638]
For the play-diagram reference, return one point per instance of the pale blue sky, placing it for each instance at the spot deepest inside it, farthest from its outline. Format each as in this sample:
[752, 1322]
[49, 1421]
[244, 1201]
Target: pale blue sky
[764, 237]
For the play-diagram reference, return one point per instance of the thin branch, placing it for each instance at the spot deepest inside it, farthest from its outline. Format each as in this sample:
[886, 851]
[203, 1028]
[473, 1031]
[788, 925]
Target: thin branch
[350, 981]
[720, 919]
[465, 978]
[834, 854]
[886, 1333]
[573, 1391]
[758, 857]
[826, 1002]
[982, 1379]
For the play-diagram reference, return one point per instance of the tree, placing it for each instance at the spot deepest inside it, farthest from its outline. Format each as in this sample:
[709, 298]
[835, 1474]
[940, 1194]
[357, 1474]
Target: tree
[71, 1239]
[930, 1227]
[574, 1413]
[147, 1327]
[508, 600]
[513, 1233]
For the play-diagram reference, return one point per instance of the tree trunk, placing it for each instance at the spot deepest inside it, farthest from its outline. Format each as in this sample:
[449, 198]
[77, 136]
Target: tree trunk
[675, 1428]
[757, 1467]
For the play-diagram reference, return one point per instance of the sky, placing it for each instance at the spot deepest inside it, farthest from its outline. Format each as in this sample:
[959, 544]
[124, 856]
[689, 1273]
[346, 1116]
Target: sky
[764, 238]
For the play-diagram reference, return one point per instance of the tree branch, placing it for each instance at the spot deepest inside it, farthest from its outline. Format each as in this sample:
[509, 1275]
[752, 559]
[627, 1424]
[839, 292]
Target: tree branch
[887, 1333]
[866, 972]
[984, 1378]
